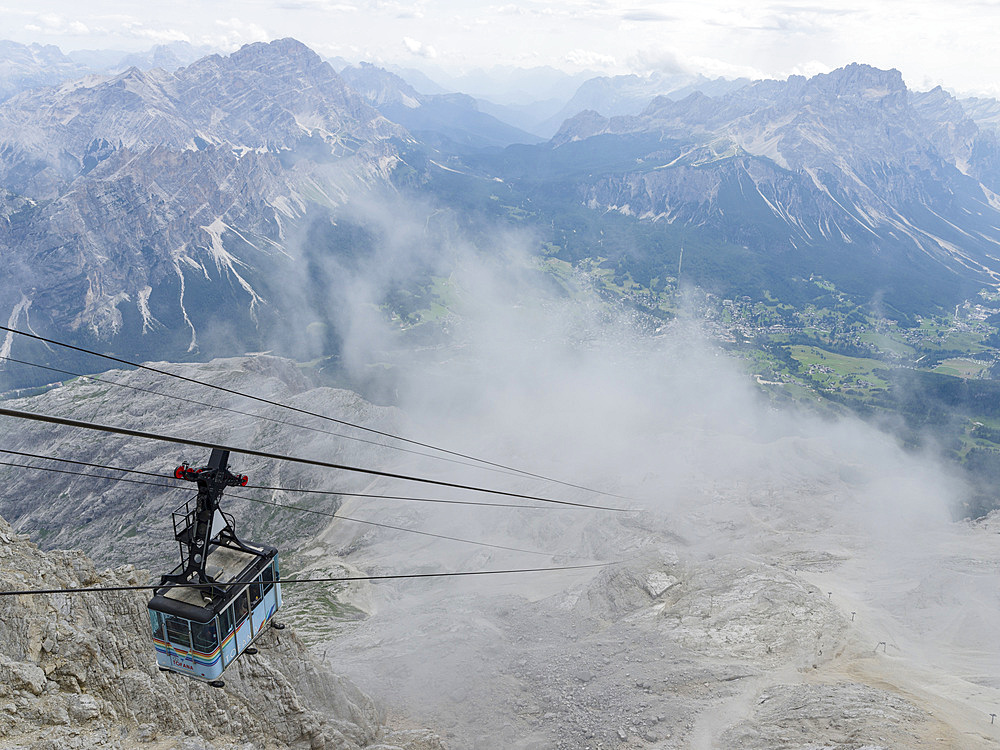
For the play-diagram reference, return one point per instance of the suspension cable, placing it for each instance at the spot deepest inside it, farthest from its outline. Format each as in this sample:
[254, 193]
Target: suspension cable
[299, 508]
[394, 528]
[231, 410]
[290, 490]
[64, 421]
[290, 581]
[304, 411]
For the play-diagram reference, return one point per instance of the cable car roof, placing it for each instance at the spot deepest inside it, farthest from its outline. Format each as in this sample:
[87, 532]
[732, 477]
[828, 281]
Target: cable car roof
[227, 566]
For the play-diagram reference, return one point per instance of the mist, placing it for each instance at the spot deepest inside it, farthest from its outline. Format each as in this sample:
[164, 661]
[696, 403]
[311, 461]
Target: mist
[731, 500]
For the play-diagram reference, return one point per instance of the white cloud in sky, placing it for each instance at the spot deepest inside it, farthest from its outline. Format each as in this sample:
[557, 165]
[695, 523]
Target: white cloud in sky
[640, 14]
[232, 33]
[53, 24]
[326, 6]
[138, 30]
[929, 41]
[659, 59]
[419, 48]
[810, 69]
[588, 59]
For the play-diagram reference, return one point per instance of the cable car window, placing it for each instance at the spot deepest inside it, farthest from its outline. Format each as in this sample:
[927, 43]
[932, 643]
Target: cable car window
[157, 623]
[267, 578]
[255, 594]
[240, 608]
[178, 631]
[226, 622]
[205, 636]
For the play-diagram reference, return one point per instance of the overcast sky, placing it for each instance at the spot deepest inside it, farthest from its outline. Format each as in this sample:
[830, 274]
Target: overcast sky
[930, 41]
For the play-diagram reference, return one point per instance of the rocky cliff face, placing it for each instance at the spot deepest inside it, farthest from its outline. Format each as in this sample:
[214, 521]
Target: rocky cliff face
[76, 671]
[150, 207]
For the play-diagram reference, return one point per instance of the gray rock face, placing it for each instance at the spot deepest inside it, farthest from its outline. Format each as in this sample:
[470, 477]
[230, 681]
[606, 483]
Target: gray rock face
[149, 205]
[243, 102]
[77, 671]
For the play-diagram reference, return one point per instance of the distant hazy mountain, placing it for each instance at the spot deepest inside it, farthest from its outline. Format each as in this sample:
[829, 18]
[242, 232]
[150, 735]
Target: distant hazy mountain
[450, 120]
[520, 97]
[98, 60]
[985, 112]
[533, 117]
[418, 80]
[630, 94]
[30, 66]
[510, 85]
[167, 56]
[608, 95]
[152, 206]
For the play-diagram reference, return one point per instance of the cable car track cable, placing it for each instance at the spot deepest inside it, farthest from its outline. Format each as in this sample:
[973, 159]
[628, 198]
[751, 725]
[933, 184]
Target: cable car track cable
[290, 490]
[329, 514]
[307, 412]
[66, 422]
[394, 528]
[292, 581]
[96, 379]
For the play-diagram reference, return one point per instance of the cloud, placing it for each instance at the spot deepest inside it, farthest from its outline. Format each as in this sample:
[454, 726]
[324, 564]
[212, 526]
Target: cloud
[234, 33]
[589, 59]
[811, 68]
[419, 48]
[659, 60]
[672, 62]
[646, 15]
[52, 24]
[511, 10]
[324, 6]
[714, 68]
[138, 30]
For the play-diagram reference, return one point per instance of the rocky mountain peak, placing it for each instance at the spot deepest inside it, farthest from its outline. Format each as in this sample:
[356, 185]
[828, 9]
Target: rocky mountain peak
[27, 66]
[154, 174]
[287, 53]
[859, 79]
[583, 125]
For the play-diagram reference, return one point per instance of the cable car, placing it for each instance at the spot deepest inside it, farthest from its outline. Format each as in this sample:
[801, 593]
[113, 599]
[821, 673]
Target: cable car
[224, 592]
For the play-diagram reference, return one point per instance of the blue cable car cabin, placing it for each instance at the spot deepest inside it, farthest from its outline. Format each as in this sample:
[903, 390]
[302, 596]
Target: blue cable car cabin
[200, 638]
[211, 607]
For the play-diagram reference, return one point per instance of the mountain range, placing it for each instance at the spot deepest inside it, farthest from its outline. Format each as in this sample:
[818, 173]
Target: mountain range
[848, 175]
[179, 213]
